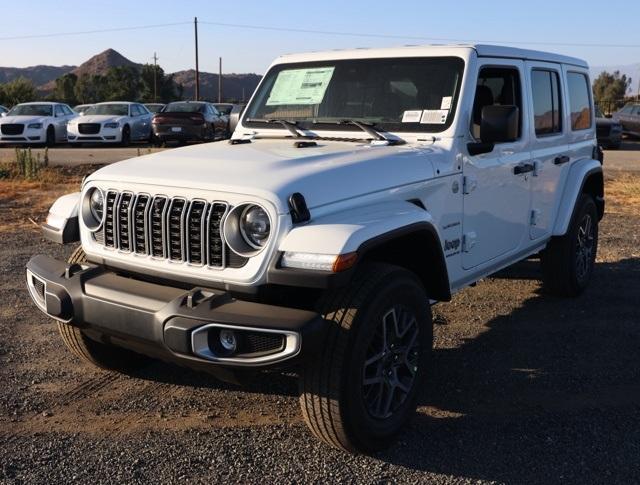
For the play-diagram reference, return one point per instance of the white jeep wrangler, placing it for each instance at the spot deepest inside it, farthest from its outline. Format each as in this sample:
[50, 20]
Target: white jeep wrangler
[359, 188]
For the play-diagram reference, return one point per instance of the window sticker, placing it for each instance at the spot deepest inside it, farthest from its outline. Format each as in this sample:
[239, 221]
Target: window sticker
[300, 86]
[446, 102]
[412, 116]
[434, 116]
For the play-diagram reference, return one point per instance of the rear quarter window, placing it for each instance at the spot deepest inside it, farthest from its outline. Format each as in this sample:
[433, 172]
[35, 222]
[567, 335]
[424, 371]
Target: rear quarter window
[580, 102]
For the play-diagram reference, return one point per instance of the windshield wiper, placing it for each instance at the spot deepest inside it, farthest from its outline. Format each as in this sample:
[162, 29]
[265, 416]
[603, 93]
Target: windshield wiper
[366, 127]
[289, 125]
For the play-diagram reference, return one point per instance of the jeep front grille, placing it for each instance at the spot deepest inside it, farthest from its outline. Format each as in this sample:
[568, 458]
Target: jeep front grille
[175, 228]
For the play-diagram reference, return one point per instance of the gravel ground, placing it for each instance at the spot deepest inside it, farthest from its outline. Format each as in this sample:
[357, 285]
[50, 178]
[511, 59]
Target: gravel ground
[524, 389]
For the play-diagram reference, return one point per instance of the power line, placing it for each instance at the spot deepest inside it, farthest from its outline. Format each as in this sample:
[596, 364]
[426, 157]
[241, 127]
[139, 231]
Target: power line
[409, 37]
[86, 32]
[322, 32]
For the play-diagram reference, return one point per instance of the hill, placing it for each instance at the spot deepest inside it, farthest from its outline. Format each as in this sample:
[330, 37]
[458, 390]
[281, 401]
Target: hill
[37, 74]
[234, 86]
[98, 64]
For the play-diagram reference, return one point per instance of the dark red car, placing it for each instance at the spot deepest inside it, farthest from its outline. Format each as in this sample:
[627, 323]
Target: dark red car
[189, 121]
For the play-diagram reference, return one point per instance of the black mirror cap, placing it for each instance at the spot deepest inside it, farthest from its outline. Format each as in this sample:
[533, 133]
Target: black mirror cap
[499, 123]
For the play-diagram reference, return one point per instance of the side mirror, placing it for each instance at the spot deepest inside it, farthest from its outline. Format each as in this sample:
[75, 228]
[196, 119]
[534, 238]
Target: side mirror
[234, 116]
[499, 124]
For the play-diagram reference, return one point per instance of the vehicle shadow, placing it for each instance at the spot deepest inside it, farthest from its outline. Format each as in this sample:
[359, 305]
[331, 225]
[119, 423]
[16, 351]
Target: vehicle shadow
[547, 393]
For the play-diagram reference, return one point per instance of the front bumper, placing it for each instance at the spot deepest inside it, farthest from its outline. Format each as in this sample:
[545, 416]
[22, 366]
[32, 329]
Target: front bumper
[171, 323]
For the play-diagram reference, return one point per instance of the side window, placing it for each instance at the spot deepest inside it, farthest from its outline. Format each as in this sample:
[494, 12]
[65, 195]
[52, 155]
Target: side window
[496, 86]
[579, 101]
[135, 110]
[547, 110]
[59, 110]
[636, 111]
[627, 109]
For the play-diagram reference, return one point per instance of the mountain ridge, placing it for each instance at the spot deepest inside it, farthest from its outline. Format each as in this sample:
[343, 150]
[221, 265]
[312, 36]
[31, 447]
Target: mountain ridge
[235, 85]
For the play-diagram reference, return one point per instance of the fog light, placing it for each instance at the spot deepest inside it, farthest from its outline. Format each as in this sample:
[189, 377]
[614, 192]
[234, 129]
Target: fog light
[228, 340]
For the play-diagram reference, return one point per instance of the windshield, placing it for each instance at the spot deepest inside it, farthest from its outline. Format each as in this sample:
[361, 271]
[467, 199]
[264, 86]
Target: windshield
[108, 109]
[403, 94]
[32, 110]
[154, 108]
[184, 108]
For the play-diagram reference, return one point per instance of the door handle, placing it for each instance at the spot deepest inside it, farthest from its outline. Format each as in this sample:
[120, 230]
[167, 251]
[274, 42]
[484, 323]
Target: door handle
[523, 168]
[561, 159]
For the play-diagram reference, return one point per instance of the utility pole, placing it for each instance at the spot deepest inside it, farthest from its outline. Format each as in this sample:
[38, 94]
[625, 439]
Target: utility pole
[195, 27]
[219, 79]
[155, 74]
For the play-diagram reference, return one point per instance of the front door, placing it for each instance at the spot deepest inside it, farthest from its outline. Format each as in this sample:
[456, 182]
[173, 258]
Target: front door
[497, 184]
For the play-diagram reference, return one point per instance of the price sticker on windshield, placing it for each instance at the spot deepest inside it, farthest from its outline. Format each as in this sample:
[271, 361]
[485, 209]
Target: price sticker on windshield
[300, 86]
[434, 116]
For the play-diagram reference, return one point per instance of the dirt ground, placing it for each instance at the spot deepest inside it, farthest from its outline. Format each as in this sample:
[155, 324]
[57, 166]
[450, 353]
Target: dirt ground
[524, 388]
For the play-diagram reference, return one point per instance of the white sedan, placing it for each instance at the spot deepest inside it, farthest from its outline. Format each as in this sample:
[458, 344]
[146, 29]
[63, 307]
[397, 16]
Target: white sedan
[36, 123]
[111, 122]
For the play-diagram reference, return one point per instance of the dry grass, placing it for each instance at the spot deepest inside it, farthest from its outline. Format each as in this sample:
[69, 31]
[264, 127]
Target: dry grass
[24, 204]
[622, 193]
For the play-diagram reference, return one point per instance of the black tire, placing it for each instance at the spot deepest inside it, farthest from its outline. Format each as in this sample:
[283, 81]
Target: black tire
[126, 136]
[337, 405]
[569, 260]
[51, 136]
[101, 355]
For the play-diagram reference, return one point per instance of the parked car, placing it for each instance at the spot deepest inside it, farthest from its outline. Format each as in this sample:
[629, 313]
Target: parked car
[3, 110]
[36, 123]
[111, 122]
[608, 131]
[189, 121]
[355, 192]
[629, 118]
[81, 108]
[154, 107]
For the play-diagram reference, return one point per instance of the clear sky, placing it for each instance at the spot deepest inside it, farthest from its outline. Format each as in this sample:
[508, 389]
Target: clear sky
[251, 50]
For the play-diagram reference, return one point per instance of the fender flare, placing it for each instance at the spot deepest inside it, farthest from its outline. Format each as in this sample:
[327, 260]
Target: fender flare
[360, 230]
[579, 173]
[62, 222]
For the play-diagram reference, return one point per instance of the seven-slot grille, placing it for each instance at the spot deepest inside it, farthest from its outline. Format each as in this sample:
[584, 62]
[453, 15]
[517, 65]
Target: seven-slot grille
[164, 227]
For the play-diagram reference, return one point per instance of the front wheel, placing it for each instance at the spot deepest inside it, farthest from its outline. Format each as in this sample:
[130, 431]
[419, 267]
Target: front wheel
[96, 353]
[126, 137]
[569, 260]
[362, 388]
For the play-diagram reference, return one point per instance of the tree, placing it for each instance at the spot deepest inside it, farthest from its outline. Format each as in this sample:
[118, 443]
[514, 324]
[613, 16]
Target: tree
[609, 90]
[165, 86]
[65, 88]
[122, 83]
[90, 89]
[20, 90]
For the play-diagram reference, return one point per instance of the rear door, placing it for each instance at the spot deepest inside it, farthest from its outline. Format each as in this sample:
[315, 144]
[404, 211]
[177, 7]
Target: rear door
[549, 148]
[496, 194]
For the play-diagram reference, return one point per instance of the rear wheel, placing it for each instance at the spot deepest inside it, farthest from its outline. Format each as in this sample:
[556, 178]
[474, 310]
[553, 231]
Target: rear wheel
[363, 387]
[569, 260]
[101, 355]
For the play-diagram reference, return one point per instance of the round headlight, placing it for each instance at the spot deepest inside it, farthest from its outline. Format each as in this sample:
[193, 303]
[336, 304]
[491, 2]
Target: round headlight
[93, 208]
[96, 203]
[247, 229]
[255, 226]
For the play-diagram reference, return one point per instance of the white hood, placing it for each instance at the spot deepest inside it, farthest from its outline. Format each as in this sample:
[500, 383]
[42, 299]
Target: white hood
[99, 119]
[25, 120]
[274, 169]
